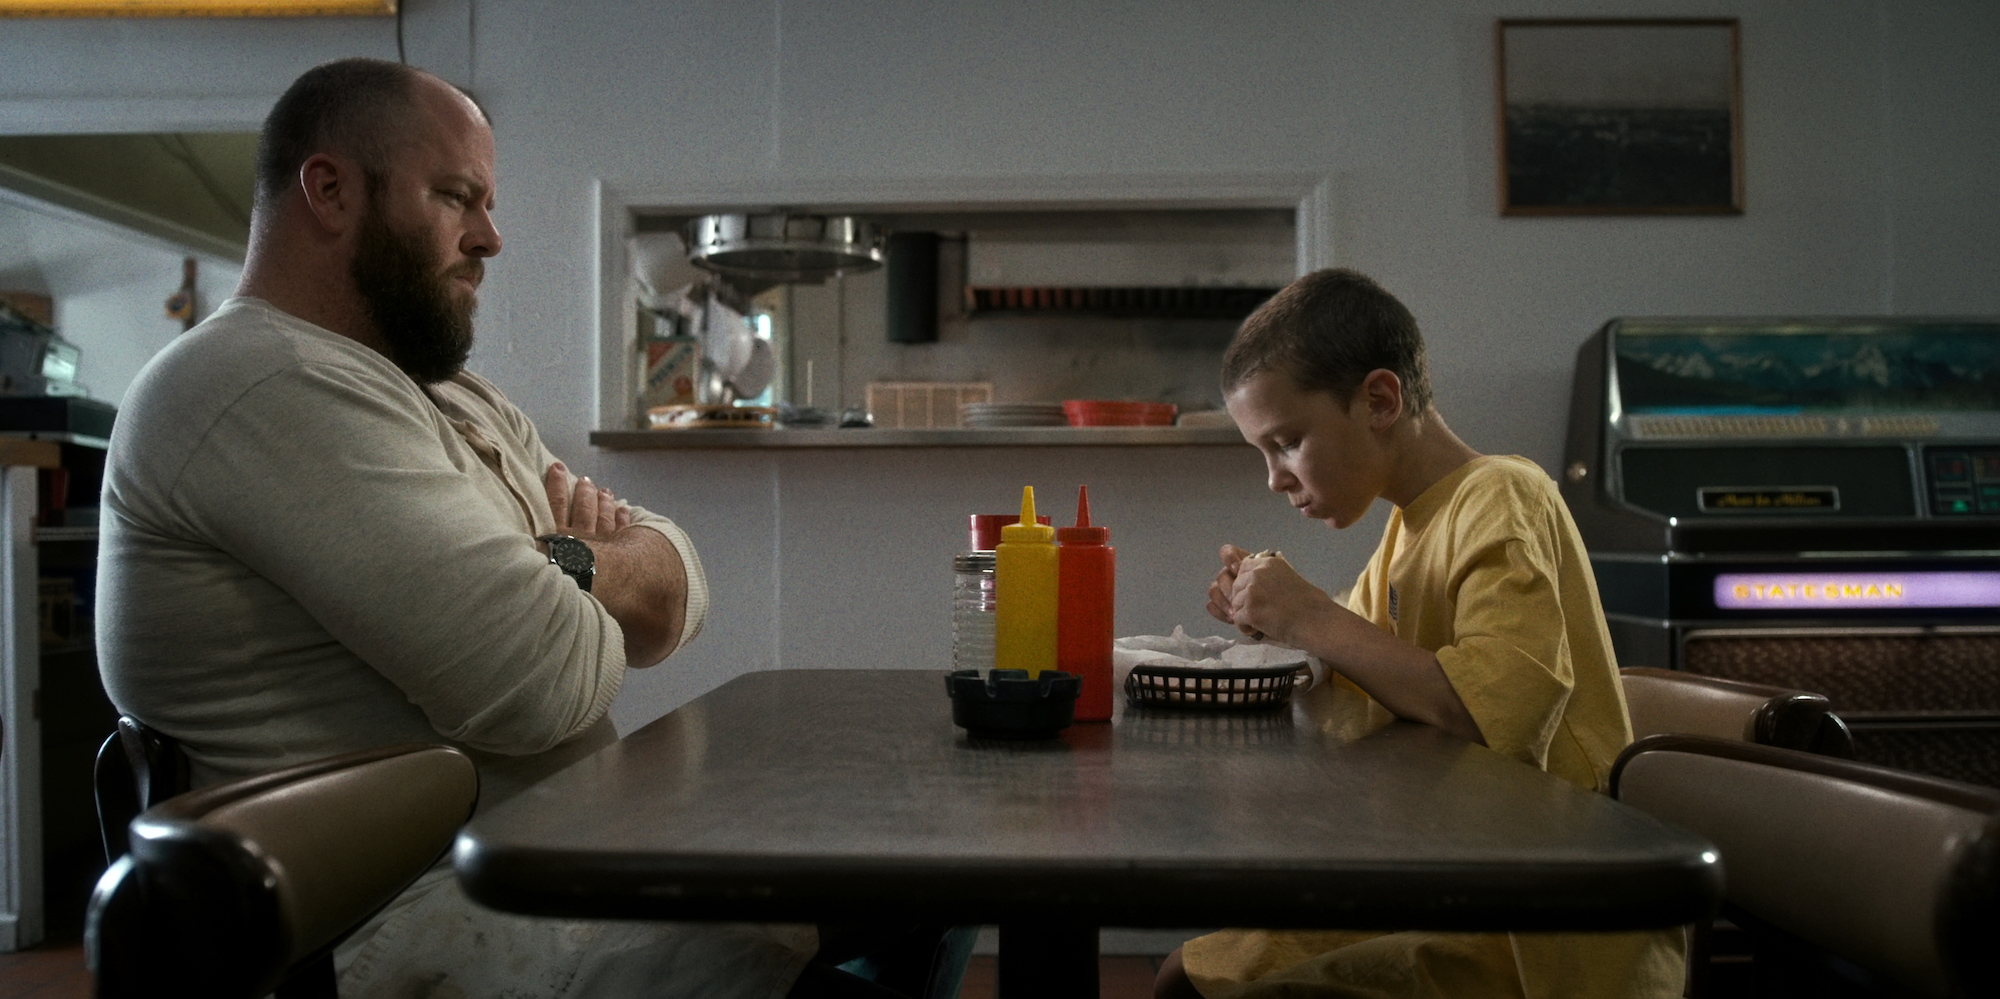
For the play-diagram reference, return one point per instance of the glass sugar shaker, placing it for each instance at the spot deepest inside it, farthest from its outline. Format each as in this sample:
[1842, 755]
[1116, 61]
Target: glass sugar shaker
[972, 611]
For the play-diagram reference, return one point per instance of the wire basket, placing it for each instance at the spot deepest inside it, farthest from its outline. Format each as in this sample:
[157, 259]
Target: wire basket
[1259, 689]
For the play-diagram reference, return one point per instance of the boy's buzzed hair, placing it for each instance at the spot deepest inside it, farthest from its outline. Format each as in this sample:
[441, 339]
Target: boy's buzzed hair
[1328, 330]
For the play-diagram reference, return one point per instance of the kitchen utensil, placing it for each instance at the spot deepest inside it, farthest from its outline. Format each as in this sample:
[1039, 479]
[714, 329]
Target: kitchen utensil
[715, 388]
[755, 375]
[726, 338]
[1206, 418]
[803, 416]
[1107, 413]
[711, 417]
[659, 261]
[989, 415]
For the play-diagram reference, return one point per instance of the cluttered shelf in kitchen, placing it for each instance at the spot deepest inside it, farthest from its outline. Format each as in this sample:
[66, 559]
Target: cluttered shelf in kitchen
[792, 437]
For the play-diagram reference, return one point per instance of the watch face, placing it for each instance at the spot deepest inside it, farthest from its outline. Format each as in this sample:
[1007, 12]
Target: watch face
[573, 557]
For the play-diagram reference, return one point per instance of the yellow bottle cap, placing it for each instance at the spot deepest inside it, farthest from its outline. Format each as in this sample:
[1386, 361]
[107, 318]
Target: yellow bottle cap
[1027, 531]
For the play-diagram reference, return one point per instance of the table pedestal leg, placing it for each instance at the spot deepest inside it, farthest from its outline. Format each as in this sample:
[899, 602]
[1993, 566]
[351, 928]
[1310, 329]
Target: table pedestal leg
[1041, 961]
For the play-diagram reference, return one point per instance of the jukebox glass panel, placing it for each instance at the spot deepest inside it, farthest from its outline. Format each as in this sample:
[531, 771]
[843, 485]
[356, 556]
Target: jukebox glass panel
[1695, 369]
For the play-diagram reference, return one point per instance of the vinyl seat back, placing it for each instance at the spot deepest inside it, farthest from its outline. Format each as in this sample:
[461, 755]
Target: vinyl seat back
[227, 890]
[1895, 872]
[1661, 701]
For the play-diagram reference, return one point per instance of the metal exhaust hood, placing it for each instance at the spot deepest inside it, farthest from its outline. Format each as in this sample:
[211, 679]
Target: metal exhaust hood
[782, 247]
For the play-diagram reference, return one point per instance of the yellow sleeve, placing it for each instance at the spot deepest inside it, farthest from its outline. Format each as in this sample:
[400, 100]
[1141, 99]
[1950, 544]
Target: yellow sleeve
[1510, 659]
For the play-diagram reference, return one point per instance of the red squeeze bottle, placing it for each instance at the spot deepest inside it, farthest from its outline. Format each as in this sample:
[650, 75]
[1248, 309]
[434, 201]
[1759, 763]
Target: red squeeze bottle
[1087, 567]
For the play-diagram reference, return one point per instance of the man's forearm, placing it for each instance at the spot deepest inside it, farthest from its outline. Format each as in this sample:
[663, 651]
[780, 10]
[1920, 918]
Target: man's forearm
[642, 581]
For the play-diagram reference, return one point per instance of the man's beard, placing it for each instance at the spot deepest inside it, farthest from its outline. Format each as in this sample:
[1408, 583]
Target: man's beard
[428, 334]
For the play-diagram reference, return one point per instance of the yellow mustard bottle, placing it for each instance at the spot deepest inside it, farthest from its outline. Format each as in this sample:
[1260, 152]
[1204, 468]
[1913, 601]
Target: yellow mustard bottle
[1025, 585]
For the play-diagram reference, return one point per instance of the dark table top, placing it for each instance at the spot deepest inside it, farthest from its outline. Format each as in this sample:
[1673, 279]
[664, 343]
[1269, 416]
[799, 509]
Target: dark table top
[830, 795]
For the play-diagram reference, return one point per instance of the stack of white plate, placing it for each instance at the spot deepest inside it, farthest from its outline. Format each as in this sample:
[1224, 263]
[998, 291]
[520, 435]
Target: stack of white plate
[989, 415]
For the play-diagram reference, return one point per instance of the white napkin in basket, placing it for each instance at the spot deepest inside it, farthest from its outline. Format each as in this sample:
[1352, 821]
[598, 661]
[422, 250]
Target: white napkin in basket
[1212, 652]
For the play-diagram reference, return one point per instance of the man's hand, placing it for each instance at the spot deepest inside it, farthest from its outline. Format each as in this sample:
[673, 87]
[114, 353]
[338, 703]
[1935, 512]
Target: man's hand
[582, 509]
[640, 578]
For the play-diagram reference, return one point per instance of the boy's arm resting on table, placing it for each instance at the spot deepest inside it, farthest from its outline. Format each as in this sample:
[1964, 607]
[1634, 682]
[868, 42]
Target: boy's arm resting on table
[1267, 595]
[1510, 659]
[641, 579]
[1402, 677]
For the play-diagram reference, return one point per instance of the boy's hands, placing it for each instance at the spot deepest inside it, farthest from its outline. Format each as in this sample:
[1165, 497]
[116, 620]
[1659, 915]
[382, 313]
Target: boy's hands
[1222, 592]
[1264, 597]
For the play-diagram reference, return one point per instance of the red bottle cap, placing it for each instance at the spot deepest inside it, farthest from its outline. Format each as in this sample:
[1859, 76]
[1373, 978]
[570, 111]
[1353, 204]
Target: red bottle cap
[985, 534]
[1083, 533]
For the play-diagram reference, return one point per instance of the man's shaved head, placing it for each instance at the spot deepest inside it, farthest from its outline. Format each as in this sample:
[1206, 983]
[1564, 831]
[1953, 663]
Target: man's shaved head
[349, 107]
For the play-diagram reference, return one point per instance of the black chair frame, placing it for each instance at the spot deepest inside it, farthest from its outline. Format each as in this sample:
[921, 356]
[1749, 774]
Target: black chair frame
[137, 768]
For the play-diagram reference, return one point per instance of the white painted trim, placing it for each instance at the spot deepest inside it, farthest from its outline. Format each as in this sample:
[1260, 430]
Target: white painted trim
[614, 204]
[1079, 192]
[60, 116]
[1313, 227]
[21, 752]
[616, 325]
[69, 116]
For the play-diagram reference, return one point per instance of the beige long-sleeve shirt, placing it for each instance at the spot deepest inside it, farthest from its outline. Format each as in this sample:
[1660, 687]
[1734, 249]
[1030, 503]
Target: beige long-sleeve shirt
[303, 552]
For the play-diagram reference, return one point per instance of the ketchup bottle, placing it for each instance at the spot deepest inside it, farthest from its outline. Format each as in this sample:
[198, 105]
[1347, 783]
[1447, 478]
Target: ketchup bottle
[1089, 570]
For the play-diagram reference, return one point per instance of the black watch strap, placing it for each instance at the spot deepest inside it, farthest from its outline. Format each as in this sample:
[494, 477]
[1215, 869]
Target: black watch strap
[573, 557]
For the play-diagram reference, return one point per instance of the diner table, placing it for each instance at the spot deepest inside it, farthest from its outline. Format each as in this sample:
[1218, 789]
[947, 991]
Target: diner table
[848, 796]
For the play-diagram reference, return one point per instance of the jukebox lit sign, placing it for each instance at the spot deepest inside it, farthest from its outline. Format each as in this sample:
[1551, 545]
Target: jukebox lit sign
[1855, 590]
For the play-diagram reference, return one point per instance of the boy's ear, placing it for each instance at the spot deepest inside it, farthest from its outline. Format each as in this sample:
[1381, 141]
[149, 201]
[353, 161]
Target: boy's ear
[1384, 392]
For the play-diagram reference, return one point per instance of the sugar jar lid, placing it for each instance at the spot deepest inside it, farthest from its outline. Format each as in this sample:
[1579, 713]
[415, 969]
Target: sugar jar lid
[978, 561]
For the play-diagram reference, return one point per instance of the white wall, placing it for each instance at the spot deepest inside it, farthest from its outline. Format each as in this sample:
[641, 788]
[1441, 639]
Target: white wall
[1870, 140]
[110, 286]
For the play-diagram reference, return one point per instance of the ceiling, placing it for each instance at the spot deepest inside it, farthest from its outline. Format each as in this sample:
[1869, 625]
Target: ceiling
[190, 188]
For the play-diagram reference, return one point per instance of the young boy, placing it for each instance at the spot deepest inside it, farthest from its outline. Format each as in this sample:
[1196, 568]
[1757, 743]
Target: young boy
[1477, 614]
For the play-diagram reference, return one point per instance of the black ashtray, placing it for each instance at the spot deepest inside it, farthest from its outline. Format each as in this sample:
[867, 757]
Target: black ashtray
[1009, 705]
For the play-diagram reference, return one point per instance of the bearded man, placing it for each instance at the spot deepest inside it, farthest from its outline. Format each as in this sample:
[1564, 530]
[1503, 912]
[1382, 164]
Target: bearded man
[321, 534]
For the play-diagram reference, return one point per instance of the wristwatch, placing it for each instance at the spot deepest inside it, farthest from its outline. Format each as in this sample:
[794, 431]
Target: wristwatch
[573, 557]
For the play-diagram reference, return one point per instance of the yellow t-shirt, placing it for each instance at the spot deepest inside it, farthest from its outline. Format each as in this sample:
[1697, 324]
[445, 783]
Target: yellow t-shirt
[1486, 570]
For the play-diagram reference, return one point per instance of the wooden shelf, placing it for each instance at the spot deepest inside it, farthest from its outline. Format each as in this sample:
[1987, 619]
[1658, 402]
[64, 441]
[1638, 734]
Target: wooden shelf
[642, 440]
[34, 453]
[65, 534]
[58, 436]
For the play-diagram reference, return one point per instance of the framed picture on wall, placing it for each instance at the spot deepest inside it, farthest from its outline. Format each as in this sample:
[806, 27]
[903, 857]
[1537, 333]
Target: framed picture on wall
[1607, 116]
[194, 8]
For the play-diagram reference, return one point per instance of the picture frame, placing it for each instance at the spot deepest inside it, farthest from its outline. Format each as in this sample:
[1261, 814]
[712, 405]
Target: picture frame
[1620, 116]
[197, 8]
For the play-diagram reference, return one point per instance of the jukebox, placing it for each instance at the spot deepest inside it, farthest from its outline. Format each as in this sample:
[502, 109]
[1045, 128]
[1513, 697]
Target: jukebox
[1807, 503]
